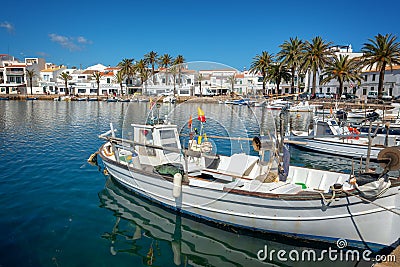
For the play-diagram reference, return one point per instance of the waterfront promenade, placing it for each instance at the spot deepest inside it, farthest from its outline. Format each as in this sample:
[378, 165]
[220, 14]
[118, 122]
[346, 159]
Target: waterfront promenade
[325, 103]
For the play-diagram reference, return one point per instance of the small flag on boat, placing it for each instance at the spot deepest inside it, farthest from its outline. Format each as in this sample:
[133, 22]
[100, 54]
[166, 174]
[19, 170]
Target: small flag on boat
[190, 122]
[201, 117]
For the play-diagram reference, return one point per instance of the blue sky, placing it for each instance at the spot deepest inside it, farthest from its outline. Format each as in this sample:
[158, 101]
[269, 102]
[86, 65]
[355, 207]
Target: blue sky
[85, 33]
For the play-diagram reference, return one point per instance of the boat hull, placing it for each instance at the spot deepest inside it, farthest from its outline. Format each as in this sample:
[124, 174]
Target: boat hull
[297, 216]
[341, 149]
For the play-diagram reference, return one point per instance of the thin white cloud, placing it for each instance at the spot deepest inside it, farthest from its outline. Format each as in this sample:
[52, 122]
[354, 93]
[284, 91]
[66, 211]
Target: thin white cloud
[42, 54]
[70, 43]
[8, 26]
[83, 40]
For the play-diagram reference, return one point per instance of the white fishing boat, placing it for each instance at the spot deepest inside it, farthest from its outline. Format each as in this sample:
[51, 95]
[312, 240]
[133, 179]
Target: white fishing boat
[328, 137]
[277, 104]
[257, 193]
[169, 99]
[304, 106]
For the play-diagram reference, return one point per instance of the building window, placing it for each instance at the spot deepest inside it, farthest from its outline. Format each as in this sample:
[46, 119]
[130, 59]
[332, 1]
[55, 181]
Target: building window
[188, 81]
[365, 77]
[373, 77]
[364, 92]
[328, 90]
[108, 80]
[372, 88]
[320, 90]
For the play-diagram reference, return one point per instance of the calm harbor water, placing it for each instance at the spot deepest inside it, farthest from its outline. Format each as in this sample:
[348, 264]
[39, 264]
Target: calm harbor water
[57, 210]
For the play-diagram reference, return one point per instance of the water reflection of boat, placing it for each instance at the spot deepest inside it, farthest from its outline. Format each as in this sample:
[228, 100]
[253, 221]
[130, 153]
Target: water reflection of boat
[190, 241]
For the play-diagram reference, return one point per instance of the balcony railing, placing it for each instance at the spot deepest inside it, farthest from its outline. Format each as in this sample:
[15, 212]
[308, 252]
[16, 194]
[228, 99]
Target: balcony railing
[15, 73]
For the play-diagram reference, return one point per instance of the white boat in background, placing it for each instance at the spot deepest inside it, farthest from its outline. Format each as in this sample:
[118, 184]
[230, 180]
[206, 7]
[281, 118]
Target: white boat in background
[328, 137]
[169, 99]
[257, 193]
[304, 106]
[277, 104]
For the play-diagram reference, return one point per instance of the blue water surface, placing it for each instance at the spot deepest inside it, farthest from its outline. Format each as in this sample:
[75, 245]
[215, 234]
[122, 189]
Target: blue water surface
[58, 210]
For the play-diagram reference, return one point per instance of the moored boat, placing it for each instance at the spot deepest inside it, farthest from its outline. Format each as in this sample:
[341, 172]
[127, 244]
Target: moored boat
[254, 192]
[329, 137]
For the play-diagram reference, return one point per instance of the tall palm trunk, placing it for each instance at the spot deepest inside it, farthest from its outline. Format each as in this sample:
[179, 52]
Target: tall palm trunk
[292, 84]
[340, 88]
[314, 82]
[30, 82]
[201, 93]
[381, 77]
[152, 73]
[264, 82]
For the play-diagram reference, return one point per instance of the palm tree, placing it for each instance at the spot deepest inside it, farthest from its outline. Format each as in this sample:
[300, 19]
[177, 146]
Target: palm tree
[291, 54]
[97, 76]
[278, 72]
[260, 64]
[126, 66]
[165, 61]
[30, 74]
[174, 71]
[343, 70]
[232, 80]
[179, 60]
[316, 56]
[119, 78]
[65, 77]
[381, 52]
[141, 69]
[151, 58]
[199, 79]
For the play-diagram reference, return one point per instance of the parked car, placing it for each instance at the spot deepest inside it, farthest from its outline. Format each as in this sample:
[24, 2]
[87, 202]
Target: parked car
[372, 95]
[329, 95]
[319, 95]
[386, 97]
[348, 96]
[305, 95]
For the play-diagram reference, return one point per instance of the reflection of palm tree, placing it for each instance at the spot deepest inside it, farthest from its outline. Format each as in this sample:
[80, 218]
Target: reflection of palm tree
[316, 56]
[65, 77]
[165, 61]
[383, 51]
[119, 78]
[278, 72]
[290, 55]
[97, 76]
[126, 66]
[343, 70]
[260, 65]
[151, 58]
[30, 74]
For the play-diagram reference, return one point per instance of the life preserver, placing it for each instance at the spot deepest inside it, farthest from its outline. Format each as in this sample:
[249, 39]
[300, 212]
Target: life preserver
[108, 151]
[354, 133]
